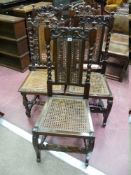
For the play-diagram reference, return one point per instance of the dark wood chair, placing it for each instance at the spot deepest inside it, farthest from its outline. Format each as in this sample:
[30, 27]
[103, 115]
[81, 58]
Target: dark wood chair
[67, 116]
[1, 114]
[35, 83]
[99, 89]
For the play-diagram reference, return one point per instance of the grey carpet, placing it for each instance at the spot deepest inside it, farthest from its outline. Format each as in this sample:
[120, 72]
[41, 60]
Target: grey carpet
[17, 157]
[130, 147]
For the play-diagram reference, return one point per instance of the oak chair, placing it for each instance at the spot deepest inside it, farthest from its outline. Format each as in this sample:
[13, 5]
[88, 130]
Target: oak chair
[101, 98]
[34, 84]
[67, 116]
[1, 114]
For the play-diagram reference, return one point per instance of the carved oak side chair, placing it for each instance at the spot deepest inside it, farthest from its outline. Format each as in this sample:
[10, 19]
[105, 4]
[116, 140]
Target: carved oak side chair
[34, 84]
[99, 89]
[67, 116]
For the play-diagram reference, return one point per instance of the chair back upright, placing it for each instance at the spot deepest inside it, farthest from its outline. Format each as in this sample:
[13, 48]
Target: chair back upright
[103, 25]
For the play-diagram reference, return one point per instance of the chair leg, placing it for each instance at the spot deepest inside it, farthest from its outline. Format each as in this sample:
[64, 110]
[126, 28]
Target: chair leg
[89, 145]
[99, 107]
[106, 113]
[29, 104]
[25, 103]
[35, 142]
[1, 114]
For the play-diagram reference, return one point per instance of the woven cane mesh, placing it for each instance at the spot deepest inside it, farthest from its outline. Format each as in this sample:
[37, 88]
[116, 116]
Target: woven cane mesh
[65, 114]
[99, 40]
[98, 86]
[62, 60]
[75, 69]
[36, 82]
[69, 64]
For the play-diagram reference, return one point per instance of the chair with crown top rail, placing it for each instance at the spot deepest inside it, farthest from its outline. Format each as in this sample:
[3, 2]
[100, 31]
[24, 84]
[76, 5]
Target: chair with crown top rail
[67, 116]
[101, 98]
[34, 84]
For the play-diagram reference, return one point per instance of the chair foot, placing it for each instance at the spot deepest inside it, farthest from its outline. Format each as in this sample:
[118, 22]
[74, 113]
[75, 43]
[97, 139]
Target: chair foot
[87, 160]
[38, 158]
[89, 145]
[1, 114]
[104, 125]
[28, 113]
[86, 163]
[107, 112]
[89, 155]
[35, 138]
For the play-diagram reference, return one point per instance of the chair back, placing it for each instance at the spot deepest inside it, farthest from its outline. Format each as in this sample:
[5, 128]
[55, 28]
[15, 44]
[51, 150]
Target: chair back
[35, 30]
[103, 25]
[88, 17]
[71, 44]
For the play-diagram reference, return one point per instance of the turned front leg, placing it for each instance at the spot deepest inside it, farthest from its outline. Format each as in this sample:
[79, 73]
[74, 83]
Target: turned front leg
[107, 112]
[35, 142]
[26, 104]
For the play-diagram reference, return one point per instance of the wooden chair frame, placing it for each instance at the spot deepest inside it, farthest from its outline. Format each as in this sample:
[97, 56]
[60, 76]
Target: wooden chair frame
[37, 66]
[68, 71]
[106, 23]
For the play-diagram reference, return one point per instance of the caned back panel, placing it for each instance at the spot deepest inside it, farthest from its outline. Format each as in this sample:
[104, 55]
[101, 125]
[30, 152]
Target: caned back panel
[103, 25]
[70, 47]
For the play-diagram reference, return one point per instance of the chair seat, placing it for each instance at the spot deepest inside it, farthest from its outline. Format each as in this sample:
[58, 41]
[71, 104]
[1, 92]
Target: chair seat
[98, 86]
[36, 82]
[119, 45]
[65, 116]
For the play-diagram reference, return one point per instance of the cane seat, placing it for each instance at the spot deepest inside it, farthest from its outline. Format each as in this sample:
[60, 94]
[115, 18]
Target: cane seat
[98, 87]
[66, 115]
[36, 82]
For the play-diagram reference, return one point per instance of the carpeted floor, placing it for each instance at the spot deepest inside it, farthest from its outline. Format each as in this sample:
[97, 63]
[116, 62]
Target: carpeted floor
[110, 154]
[129, 148]
[17, 157]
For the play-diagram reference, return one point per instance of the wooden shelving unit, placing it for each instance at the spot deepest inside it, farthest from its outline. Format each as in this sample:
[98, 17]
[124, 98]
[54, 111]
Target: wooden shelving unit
[13, 43]
[119, 46]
